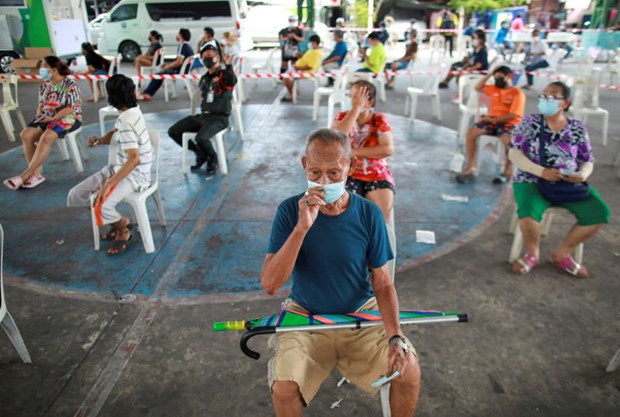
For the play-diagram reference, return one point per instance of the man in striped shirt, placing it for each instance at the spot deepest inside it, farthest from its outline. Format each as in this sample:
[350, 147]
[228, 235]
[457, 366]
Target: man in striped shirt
[128, 169]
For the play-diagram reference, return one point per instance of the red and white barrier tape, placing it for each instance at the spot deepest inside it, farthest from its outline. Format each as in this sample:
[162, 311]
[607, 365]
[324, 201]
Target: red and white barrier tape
[299, 75]
[347, 29]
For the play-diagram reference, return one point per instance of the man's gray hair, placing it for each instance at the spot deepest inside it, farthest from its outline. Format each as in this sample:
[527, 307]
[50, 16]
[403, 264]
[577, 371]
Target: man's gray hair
[329, 136]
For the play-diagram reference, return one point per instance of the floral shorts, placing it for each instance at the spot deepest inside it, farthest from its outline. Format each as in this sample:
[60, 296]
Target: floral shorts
[362, 188]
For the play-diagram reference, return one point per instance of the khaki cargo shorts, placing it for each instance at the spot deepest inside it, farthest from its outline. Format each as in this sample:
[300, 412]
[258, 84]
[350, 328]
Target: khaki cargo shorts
[308, 357]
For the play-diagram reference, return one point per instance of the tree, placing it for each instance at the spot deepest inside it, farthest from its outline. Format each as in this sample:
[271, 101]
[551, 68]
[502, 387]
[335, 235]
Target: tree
[482, 5]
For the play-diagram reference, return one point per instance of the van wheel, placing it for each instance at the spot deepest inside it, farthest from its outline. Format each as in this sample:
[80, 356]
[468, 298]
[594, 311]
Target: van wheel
[129, 50]
[5, 62]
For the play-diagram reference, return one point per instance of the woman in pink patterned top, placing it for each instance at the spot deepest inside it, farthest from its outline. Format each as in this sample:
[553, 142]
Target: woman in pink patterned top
[372, 144]
[59, 112]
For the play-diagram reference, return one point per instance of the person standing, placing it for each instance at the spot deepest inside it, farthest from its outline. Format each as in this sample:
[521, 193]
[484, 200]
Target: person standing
[290, 37]
[448, 22]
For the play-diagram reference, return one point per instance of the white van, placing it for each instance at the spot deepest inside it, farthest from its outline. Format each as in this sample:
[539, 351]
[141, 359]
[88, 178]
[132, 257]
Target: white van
[126, 28]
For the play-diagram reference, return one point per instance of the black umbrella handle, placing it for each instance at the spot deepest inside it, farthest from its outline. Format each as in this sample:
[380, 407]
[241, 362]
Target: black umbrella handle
[250, 334]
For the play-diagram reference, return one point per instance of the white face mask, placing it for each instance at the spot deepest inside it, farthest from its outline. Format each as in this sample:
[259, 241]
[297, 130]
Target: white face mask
[475, 42]
[332, 191]
[292, 24]
[535, 38]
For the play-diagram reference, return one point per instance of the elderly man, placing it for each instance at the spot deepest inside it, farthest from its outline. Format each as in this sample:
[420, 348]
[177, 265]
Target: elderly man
[335, 246]
[216, 87]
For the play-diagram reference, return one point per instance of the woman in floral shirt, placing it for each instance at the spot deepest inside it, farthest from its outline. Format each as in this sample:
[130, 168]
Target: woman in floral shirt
[568, 158]
[59, 112]
[371, 145]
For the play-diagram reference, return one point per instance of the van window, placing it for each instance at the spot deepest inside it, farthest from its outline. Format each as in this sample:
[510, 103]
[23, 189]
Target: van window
[188, 11]
[124, 12]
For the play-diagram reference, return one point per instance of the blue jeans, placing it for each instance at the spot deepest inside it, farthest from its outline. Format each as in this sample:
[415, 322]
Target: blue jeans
[533, 67]
[154, 85]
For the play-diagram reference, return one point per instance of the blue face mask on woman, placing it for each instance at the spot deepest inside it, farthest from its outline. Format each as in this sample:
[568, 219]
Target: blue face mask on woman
[332, 191]
[548, 107]
[45, 73]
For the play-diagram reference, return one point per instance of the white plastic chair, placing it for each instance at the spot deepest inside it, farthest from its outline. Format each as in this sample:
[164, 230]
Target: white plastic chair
[468, 102]
[553, 60]
[307, 77]
[269, 66]
[220, 150]
[380, 81]
[517, 242]
[6, 320]
[339, 85]
[137, 200]
[430, 89]
[495, 145]
[437, 45]
[158, 60]
[464, 42]
[170, 84]
[71, 144]
[107, 111]
[586, 103]
[114, 63]
[10, 102]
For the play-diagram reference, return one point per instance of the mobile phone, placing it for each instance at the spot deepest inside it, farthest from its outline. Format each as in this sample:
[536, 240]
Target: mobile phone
[384, 380]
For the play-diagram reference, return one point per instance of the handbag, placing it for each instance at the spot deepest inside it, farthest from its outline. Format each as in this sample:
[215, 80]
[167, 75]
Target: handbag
[558, 191]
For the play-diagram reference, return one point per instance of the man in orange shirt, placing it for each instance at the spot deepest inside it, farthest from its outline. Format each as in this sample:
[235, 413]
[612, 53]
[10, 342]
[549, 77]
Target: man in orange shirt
[505, 112]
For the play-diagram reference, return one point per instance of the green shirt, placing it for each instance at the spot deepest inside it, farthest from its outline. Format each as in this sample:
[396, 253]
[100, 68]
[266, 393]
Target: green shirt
[376, 59]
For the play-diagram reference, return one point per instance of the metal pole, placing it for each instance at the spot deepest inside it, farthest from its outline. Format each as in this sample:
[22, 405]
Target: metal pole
[371, 13]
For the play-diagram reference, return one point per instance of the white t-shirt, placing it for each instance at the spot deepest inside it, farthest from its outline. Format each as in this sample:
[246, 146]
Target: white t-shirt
[131, 133]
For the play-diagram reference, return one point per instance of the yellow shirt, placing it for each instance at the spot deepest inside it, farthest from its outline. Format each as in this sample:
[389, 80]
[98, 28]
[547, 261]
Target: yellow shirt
[376, 58]
[312, 58]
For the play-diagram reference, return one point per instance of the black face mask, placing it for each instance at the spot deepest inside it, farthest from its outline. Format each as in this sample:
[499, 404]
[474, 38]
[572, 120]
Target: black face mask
[209, 62]
[500, 83]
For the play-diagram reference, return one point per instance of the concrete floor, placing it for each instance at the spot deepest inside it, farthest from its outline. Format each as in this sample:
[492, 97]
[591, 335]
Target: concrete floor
[536, 344]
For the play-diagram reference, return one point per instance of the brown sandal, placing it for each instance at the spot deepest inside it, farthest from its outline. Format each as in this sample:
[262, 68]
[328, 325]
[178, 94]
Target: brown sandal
[120, 246]
[111, 234]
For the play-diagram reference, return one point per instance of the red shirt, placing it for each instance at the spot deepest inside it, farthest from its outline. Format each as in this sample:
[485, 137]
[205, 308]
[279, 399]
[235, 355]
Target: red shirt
[369, 169]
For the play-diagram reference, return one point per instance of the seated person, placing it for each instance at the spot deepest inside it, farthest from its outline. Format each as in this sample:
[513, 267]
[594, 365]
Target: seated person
[96, 65]
[216, 87]
[146, 60]
[371, 145]
[129, 172]
[185, 51]
[335, 59]
[502, 40]
[373, 63]
[58, 113]
[561, 134]
[335, 246]
[535, 57]
[402, 63]
[478, 61]
[309, 63]
[290, 38]
[231, 47]
[505, 112]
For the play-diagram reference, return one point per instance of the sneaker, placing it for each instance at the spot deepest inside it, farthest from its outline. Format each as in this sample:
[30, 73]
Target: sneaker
[200, 161]
[526, 87]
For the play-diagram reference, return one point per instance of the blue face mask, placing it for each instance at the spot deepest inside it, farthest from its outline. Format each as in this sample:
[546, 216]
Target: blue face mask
[332, 191]
[548, 107]
[45, 73]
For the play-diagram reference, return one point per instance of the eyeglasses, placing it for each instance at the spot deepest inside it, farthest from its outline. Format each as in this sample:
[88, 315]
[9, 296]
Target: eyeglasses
[550, 98]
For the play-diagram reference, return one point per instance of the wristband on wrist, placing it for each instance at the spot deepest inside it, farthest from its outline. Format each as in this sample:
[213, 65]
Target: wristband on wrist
[400, 341]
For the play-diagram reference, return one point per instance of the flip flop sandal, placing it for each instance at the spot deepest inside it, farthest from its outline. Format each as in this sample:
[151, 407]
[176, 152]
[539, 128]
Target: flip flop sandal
[13, 183]
[120, 246]
[527, 262]
[571, 266]
[465, 178]
[111, 234]
[500, 179]
[33, 181]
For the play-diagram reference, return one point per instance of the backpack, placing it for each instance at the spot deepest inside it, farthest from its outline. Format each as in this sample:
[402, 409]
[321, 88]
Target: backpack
[447, 23]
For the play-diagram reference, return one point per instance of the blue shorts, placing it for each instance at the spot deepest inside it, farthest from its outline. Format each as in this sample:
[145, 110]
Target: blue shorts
[402, 65]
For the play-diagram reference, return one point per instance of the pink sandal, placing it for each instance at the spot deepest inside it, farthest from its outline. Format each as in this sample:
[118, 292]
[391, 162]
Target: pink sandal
[33, 181]
[14, 182]
[526, 263]
[571, 266]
